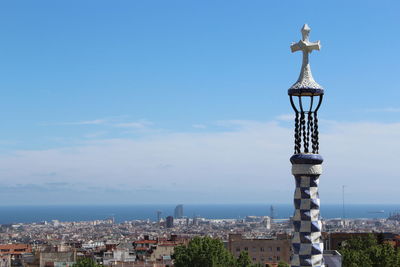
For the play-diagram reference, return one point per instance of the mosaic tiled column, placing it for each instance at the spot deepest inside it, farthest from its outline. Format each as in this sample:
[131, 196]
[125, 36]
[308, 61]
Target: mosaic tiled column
[306, 98]
[306, 244]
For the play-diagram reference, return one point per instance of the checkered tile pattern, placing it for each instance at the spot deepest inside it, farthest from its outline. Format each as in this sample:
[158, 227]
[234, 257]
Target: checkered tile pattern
[306, 243]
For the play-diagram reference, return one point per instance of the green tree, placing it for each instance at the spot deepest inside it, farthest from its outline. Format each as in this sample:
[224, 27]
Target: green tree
[387, 256]
[354, 251]
[203, 252]
[283, 264]
[243, 260]
[368, 252]
[86, 262]
[209, 252]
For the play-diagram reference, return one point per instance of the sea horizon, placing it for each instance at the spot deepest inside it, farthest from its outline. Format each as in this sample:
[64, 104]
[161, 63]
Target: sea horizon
[128, 212]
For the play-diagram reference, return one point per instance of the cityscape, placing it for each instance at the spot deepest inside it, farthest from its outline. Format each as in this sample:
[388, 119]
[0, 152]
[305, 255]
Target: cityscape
[152, 242]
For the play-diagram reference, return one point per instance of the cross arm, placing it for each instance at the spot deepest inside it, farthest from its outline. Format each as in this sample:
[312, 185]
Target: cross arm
[295, 47]
[314, 46]
[305, 45]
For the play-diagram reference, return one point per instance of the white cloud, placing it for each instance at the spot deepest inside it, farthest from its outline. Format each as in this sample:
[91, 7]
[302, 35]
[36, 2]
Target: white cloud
[142, 124]
[199, 126]
[95, 134]
[88, 122]
[386, 109]
[247, 162]
[285, 117]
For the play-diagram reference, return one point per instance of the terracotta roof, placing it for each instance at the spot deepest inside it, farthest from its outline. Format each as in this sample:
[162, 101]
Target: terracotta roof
[18, 246]
[146, 242]
[140, 248]
[15, 248]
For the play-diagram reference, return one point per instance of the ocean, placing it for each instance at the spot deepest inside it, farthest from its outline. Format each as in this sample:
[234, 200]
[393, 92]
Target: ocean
[121, 213]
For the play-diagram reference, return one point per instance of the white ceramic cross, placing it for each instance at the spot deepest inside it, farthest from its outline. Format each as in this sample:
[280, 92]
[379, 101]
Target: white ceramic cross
[304, 45]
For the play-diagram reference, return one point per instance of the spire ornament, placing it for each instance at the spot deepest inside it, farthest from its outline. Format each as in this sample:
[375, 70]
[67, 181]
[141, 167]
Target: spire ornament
[306, 98]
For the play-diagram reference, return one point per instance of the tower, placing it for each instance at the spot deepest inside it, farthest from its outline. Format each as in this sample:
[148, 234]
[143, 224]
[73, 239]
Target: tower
[178, 211]
[169, 222]
[159, 212]
[306, 98]
[272, 212]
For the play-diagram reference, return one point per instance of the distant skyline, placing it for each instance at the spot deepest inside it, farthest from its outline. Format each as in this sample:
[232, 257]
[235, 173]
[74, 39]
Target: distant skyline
[135, 102]
[123, 213]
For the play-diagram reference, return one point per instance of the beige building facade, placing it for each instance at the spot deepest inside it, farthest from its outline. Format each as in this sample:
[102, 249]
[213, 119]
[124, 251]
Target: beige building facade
[261, 250]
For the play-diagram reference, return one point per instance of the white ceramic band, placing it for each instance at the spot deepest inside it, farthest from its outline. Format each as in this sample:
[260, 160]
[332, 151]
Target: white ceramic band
[312, 169]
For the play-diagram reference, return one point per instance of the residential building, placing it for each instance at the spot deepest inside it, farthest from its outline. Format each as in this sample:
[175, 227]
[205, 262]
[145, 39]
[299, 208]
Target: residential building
[261, 250]
[169, 222]
[55, 259]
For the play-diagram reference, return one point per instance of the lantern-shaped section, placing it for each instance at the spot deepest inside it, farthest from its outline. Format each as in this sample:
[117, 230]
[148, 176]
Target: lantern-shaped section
[305, 106]
[306, 98]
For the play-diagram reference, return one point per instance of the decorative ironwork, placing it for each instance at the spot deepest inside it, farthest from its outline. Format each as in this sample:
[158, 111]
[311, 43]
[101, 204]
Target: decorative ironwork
[306, 125]
[306, 120]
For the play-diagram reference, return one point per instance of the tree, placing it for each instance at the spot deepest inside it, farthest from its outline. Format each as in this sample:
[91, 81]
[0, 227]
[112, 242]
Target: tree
[244, 259]
[203, 252]
[209, 252]
[368, 252]
[86, 262]
[283, 264]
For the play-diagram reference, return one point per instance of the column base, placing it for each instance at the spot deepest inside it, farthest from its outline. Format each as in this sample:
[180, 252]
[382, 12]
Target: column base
[306, 243]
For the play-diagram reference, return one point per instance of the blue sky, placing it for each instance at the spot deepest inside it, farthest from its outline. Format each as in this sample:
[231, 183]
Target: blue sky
[186, 101]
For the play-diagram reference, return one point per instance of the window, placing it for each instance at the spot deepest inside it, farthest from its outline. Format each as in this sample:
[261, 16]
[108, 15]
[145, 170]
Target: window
[278, 258]
[270, 248]
[246, 248]
[237, 249]
[261, 248]
[254, 259]
[278, 248]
